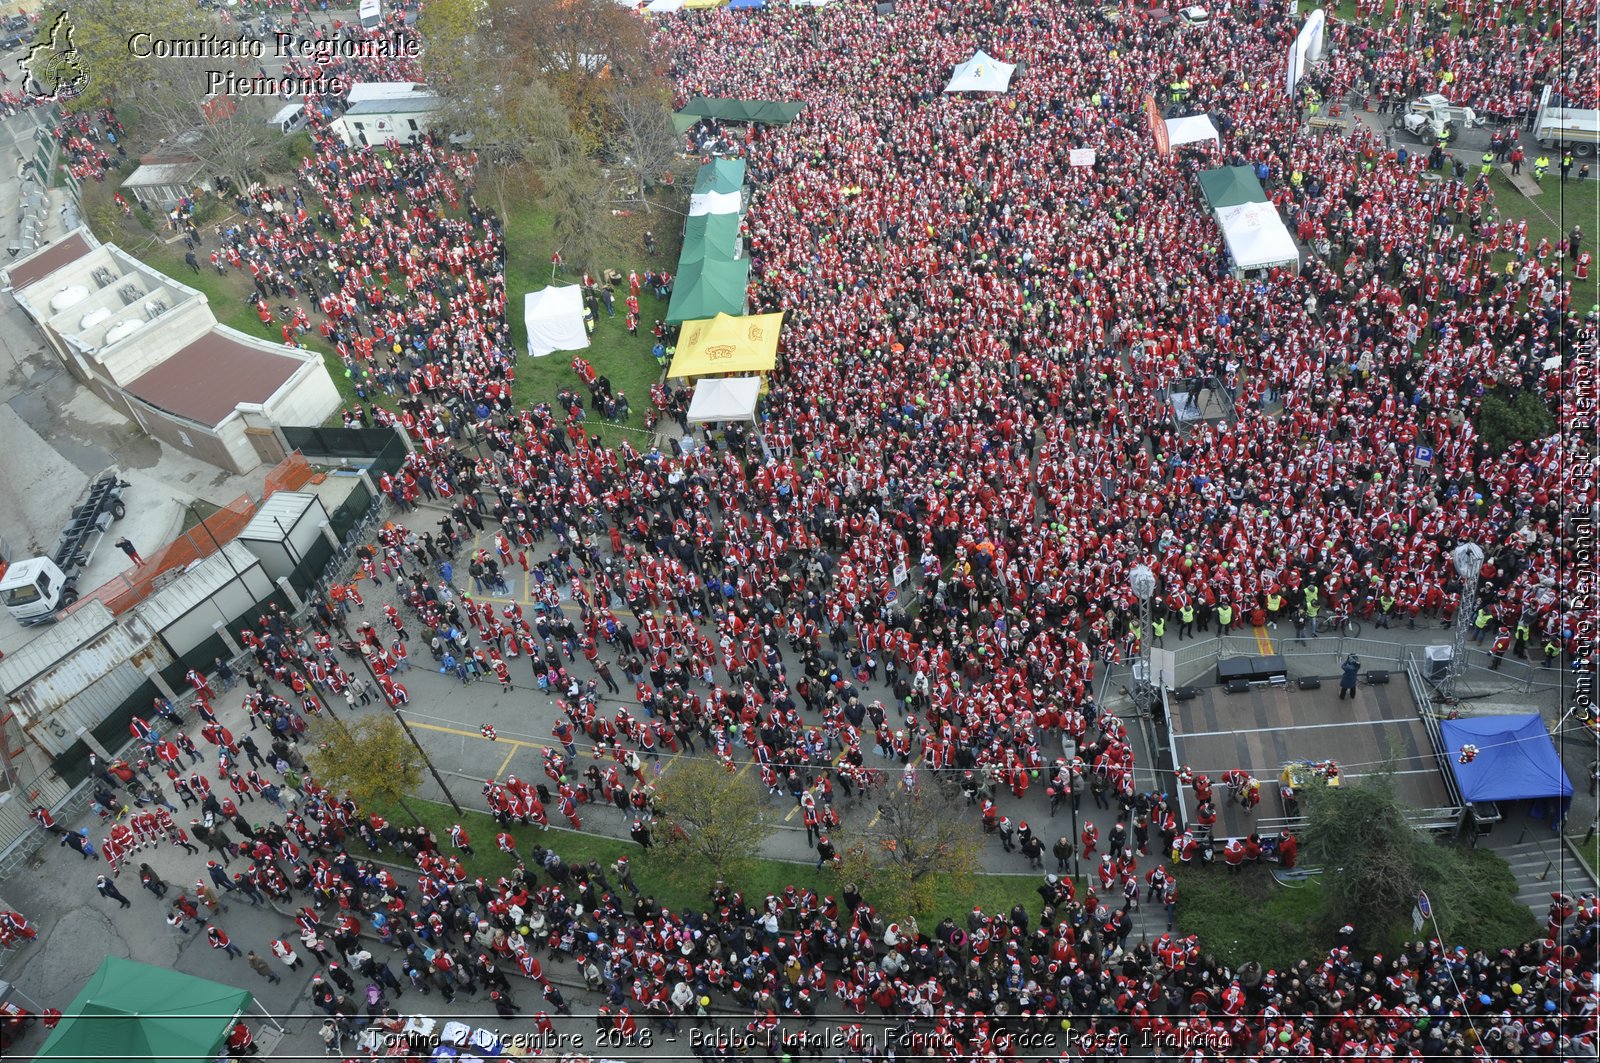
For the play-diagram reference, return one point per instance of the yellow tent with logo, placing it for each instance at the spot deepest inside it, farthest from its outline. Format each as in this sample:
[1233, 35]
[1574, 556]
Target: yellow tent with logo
[727, 344]
[700, 5]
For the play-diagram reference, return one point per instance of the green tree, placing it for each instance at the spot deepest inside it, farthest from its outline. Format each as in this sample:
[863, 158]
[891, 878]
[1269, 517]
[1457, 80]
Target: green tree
[1519, 418]
[712, 816]
[100, 32]
[1371, 856]
[370, 757]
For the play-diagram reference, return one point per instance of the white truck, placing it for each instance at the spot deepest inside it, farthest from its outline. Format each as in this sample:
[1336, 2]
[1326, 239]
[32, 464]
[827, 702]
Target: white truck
[1429, 117]
[37, 589]
[1559, 128]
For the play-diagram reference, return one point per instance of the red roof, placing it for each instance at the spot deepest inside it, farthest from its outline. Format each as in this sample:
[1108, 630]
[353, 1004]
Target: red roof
[207, 379]
[49, 260]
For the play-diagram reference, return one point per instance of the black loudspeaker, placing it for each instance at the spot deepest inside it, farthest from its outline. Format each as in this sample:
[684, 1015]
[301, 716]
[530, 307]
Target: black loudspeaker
[1238, 686]
[885, 9]
[1185, 693]
[1377, 679]
[1309, 682]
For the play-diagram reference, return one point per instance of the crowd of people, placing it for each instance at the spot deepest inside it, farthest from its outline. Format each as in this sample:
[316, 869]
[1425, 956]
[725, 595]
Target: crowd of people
[983, 361]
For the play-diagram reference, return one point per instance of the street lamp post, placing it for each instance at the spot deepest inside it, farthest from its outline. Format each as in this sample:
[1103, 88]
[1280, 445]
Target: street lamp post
[1142, 581]
[1468, 558]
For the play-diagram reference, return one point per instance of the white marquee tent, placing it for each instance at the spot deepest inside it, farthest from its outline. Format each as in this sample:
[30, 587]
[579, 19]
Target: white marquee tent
[702, 203]
[981, 73]
[1257, 237]
[1191, 130]
[555, 320]
[664, 7]
[725, 399]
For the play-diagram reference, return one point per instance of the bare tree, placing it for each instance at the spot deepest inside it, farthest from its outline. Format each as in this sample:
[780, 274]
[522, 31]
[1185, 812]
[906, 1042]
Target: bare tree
[229, 134]
[644, 137]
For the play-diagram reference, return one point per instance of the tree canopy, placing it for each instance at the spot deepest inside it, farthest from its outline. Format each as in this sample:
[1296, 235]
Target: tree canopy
[100, 32]
[915, 835]
[712, 815]
[370, 757]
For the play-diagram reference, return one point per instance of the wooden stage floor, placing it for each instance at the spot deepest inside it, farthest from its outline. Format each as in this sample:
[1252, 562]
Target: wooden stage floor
[1264, 728]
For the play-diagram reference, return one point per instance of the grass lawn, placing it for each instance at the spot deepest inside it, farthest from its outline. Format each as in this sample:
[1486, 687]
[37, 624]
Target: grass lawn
[678, 886]
[1250, 917]
[1552, 216]
[625, 359]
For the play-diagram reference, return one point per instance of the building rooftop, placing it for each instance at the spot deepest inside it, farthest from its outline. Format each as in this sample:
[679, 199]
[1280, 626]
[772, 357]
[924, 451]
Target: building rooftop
[205, 380]
[47, 260]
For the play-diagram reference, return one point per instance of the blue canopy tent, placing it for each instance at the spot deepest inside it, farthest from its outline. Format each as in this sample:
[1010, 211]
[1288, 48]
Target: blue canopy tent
[1517, 759]
[746, 5]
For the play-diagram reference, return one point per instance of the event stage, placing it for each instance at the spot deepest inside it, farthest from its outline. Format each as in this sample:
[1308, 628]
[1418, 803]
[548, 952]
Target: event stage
[1267, 726]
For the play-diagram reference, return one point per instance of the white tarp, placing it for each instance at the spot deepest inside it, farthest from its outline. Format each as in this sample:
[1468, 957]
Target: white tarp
[1307, 47]
[1256, 236]
[1191, 130]
[664, 7]
[714, 203]
[981, 73]
[555, 320]
[724, 399]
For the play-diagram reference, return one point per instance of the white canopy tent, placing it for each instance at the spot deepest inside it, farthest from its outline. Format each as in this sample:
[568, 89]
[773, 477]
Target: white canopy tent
[702, 203]
[664, 7]
[724, 399]
[1257, 237]
[555, 320]
[1191, 130]
[981, 73]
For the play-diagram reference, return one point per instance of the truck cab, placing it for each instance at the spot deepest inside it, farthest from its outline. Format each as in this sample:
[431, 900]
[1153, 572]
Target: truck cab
[34, 590]
[1432, 117]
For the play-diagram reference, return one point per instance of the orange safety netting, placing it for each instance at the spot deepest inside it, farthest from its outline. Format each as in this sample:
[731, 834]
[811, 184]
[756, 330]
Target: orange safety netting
[290, 474]
[124, 591]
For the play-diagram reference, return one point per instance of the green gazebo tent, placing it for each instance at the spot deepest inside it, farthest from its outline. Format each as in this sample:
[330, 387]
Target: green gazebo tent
[132, 1010]
[1231, 186]
[713, 237]
[720, 175]
[708, 288]
[772, 112]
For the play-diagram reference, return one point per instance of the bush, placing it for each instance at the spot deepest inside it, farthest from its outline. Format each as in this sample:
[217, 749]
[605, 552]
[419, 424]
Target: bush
[1519, 418]
[1248, 916]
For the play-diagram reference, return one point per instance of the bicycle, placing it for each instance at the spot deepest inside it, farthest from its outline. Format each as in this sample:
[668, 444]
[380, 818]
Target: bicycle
[1341, 622]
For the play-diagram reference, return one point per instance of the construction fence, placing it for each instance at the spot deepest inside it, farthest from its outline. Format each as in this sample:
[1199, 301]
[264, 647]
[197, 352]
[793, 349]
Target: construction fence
[162, 566]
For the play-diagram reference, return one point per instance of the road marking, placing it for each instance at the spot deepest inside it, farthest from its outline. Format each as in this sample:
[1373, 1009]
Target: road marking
[504, 764]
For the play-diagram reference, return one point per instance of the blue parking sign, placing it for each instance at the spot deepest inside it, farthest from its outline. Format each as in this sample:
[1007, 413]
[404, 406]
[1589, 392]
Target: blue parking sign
[1423, 455]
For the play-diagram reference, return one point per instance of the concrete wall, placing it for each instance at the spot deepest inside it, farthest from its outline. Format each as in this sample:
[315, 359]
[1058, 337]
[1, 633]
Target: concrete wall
[308, 397]
[227, 448]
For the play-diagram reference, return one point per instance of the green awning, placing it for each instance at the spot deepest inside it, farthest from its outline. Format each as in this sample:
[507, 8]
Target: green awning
[1231, 186]
[708, 288]
[709, 238]
[772, 112]
[132, 1010]
[720, 175]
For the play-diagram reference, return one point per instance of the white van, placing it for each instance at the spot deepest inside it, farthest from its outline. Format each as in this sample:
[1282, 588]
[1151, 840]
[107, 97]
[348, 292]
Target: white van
[291, 119]
[371, 14]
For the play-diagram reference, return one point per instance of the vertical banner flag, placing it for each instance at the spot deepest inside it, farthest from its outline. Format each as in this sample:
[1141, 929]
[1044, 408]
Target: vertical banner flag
[1158, 125]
